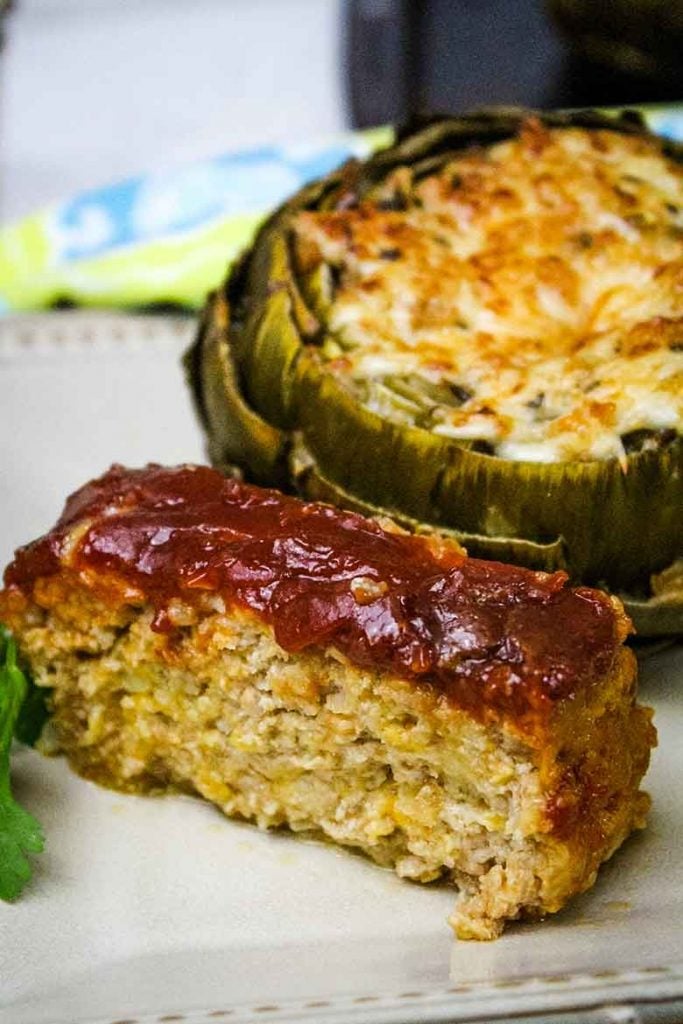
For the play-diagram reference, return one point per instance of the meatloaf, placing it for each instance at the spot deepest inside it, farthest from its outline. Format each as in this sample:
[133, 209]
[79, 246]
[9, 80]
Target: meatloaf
[302, 666]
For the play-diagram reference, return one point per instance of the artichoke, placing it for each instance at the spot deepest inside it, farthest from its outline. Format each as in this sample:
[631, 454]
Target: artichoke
[292, 394]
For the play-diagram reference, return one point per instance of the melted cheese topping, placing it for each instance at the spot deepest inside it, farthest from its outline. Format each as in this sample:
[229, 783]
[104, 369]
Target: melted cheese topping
[528, 297]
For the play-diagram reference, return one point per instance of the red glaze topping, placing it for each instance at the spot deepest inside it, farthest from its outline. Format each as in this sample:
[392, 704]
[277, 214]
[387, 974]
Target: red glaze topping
[490, 637]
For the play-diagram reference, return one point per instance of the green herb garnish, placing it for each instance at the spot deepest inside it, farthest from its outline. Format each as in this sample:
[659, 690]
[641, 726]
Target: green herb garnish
[20, 833]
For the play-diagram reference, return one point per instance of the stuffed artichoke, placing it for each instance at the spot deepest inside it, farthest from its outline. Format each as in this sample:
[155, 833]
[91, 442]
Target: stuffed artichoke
[477, 331]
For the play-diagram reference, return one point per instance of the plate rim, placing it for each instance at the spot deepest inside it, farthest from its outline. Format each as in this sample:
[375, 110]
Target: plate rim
[644, 995]
[647, 994]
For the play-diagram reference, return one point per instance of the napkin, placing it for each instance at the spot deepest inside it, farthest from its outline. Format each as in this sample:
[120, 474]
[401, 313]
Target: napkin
[163, 238]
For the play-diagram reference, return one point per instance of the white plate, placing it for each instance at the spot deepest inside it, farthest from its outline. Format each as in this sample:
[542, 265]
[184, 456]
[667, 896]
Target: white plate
[161, 910]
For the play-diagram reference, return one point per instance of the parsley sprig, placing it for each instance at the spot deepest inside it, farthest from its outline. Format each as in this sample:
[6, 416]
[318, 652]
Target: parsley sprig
[20, 833]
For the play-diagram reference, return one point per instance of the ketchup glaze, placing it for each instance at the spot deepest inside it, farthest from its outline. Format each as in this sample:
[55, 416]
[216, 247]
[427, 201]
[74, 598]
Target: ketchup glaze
[488, 637]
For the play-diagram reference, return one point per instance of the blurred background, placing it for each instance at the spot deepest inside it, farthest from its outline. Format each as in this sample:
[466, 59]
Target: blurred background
[95, 90]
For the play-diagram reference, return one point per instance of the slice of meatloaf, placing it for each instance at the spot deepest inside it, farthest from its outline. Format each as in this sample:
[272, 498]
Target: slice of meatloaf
[303, 666]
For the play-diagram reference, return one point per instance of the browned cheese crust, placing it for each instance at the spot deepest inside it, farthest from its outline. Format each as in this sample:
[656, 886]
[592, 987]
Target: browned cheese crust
[539, 278]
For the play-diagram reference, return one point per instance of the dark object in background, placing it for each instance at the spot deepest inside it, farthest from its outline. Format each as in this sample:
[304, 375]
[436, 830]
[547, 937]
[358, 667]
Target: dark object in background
[381, 60]
[628, 41]
[5, 8]
[405, 57]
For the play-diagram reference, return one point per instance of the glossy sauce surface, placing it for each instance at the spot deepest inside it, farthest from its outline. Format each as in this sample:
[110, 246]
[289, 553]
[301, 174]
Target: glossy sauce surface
[488, 636]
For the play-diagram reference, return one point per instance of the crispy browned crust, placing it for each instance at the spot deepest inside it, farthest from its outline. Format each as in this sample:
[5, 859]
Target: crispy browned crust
[509, 271]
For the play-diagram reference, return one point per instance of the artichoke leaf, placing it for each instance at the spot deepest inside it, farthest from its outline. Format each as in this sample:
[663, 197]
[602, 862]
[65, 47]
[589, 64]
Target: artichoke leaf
[275, 349]
[662, 613]
[238, 437]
